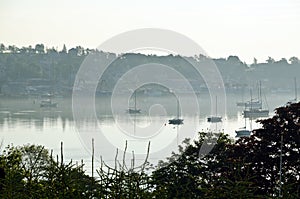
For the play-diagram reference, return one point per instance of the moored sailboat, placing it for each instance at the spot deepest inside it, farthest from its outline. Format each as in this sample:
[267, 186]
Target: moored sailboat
[134, 110]
[256, 112]
[215, 118]
[178, 120]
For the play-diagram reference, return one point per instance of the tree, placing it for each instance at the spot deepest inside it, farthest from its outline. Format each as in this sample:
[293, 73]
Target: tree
[30, 172]
[13, 49]
[234, 60]
[294, 60]
[40, 48]
[51, 50]
[249, 168]
[2, 48]
[64, 49]
[283, 61]
[260, 154]
[270, 60]
[187, 176]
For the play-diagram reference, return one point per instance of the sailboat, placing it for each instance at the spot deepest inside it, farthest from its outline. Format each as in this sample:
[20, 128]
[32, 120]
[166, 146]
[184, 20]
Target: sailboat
[254, 103]
[47, 102]
[216, 118]
[134, 110]
[295, 99]
[256, 112]
[243, 132]
[176, 121]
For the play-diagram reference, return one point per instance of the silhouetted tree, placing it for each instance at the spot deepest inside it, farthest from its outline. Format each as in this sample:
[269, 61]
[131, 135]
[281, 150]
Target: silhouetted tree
[39, 48]
[234, 60]
[13, 49]
[260, 154]
[270, 60]
[283, 61]
[294, 60]
[2, 48]
[64, 49]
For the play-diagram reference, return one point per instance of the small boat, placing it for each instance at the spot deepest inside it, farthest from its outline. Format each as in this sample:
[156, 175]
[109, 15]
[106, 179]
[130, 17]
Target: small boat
[242, 133]
[256, 111]
[216, 118]
[134, 110]
[176, 121]
[251, 104]
[47, 95]
[295, 99]
[48, 104]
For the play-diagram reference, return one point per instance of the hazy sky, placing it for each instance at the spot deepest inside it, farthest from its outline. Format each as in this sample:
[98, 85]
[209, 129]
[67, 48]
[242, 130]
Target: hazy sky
[256, 28]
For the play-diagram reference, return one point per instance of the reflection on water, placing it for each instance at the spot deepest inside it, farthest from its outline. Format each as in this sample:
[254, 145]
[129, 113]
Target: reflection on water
[23, 121]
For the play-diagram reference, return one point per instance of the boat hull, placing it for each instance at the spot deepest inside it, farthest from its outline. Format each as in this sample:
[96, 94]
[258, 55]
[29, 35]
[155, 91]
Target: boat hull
[134, 111]
[214, 119]
[242, 133]
[52, 105]
[255, 113]
[176, 121]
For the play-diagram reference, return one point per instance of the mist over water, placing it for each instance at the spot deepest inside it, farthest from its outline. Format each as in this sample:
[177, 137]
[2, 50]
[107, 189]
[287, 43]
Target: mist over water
[23, 121]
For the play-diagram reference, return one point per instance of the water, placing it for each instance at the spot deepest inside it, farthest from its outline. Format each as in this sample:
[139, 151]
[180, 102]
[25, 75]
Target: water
[22, 121]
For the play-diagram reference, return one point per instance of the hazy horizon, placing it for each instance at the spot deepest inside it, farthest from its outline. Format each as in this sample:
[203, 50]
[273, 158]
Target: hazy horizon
[246, 29]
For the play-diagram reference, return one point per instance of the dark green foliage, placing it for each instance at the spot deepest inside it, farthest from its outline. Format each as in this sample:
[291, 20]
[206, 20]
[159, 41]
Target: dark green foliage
[248, 168]
[30, 172]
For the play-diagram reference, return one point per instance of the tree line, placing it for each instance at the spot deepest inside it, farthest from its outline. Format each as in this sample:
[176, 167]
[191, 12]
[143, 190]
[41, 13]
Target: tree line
[264, 165]
[60, 67]
[81, 51]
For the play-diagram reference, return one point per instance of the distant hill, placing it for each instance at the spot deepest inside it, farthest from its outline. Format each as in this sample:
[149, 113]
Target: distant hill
[33, 70]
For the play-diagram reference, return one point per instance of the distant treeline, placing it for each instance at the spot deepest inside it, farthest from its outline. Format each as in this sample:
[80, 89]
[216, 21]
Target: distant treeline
[59, 67]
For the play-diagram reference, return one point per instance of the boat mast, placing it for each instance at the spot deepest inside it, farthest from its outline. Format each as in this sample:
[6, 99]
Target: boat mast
[135, 100]
[216, 105]
[250, 112]
[295, 81]
[260, 97]
[177, 108]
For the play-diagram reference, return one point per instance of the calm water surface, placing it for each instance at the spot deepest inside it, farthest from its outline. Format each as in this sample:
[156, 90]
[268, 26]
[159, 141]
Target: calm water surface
[22, 121]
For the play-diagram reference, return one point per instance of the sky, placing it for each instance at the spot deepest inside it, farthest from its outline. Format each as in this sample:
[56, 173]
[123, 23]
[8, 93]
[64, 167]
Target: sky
[248, 29]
